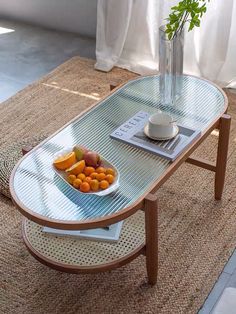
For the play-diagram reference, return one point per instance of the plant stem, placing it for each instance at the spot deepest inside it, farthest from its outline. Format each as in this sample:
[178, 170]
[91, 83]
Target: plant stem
[181, 26]
[184, 21]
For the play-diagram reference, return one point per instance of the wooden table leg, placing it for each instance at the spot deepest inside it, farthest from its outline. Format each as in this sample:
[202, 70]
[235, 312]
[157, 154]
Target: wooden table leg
[115, 83]
[151, 229]
[26, 149]
[222, 152]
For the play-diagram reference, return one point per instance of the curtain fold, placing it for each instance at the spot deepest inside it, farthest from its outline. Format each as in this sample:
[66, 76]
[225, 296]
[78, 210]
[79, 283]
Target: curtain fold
[127, 36]
[112, 27]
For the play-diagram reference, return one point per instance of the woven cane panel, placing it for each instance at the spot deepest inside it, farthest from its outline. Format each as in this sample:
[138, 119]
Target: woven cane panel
[80, 252]
[10, 156]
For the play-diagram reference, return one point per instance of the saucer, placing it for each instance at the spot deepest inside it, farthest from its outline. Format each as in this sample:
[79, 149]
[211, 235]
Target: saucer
[175, 132]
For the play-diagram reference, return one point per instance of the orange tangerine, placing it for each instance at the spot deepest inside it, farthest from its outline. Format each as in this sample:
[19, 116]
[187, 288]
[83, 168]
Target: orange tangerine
[81, 176]
[101, 176]
[65, 161]
[110, 178]
[77, 183]
[94, 185]
[110, 171]
[84, 187]
[88, 170]
[101, 170]
[71, 178]
[93, 175]
[88, 179]
[104, 184]
[76, 168]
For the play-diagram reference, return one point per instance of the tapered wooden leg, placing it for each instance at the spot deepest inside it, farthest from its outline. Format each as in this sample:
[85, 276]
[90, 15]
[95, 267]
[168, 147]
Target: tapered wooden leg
[151, 229]
[26, 149]
[222, 152]
[114, 84]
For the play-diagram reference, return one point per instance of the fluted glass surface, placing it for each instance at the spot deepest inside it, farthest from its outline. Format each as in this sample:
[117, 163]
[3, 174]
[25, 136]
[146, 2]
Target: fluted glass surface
[43, 192]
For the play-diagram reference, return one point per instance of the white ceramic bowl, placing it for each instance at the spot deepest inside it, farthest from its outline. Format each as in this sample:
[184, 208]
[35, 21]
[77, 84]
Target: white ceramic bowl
[63, 175]
[160, 125]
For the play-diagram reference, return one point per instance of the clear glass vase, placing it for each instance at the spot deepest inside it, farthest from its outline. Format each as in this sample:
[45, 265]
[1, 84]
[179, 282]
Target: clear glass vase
[171, 54]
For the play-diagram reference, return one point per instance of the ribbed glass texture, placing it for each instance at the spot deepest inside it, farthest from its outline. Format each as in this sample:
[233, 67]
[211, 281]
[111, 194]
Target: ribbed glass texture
[43, 192]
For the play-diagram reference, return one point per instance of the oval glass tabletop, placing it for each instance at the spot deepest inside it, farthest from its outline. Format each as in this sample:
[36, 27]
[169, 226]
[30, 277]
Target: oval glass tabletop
[35, 187]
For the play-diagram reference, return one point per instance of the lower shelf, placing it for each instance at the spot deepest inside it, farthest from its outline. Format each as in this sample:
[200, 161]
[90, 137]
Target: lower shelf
[79, 255]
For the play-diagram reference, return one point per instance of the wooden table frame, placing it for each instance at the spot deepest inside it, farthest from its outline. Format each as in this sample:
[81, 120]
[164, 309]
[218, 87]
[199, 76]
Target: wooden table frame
[147, 202]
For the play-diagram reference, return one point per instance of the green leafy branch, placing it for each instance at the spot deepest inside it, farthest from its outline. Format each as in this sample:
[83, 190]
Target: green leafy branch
[187, 11]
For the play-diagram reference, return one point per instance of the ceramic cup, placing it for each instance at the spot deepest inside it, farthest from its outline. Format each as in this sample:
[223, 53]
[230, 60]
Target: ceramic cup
[161, 125]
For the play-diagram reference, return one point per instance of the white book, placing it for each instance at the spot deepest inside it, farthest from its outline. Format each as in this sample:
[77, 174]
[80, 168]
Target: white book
[109, 234]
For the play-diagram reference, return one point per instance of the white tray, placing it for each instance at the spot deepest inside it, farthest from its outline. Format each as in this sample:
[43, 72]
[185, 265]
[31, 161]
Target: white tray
[62, 174]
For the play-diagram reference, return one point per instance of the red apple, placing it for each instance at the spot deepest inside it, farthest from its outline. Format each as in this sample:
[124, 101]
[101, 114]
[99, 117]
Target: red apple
[92, 159]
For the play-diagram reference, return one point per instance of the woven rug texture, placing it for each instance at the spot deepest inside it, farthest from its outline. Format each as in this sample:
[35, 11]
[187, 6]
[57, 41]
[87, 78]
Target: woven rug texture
[197, 234]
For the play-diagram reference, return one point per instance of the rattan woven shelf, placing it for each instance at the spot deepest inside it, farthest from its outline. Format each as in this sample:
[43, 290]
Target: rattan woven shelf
[81, 253]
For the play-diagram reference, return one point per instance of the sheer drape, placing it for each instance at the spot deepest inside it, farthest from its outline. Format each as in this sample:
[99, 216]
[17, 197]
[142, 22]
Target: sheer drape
[127, 36]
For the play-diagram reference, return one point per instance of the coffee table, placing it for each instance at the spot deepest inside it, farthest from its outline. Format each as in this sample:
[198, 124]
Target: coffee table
[45, 200]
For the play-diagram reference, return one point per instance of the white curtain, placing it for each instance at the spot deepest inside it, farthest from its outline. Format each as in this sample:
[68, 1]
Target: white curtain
[127, 36]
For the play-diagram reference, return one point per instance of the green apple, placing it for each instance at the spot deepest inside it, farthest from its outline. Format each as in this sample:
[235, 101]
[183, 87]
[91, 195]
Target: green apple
[79, 151]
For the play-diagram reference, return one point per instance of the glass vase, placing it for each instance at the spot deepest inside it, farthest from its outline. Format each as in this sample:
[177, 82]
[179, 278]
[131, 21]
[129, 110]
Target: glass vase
[171, 54]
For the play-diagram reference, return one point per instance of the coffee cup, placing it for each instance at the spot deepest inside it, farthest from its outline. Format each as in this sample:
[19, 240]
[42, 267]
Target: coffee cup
[161, 125]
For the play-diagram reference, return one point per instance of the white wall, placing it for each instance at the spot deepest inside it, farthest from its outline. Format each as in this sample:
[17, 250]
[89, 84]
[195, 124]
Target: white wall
[77, 16]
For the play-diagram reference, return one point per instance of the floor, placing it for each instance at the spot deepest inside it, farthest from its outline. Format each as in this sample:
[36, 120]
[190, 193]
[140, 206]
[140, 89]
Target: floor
[28, 52]
[38, 52]
[226, 279]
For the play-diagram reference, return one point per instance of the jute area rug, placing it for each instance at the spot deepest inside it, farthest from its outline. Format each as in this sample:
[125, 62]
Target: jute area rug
[197, 234]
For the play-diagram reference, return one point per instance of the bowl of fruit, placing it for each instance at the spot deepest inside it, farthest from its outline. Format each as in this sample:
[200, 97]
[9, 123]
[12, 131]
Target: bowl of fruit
[86, 171]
